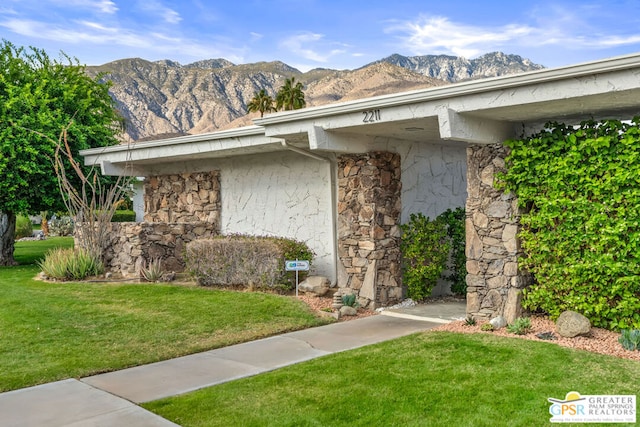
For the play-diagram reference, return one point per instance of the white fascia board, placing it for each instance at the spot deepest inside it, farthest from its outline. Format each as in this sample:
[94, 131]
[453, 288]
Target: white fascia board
[181, 147]
[502, 83]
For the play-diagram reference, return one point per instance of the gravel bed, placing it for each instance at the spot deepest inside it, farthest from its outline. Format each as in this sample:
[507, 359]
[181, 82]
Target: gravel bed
[599, 340]
[319, 303]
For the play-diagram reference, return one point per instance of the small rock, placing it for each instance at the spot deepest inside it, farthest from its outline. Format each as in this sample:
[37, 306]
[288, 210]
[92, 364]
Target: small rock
[404, 304]
[571, 324]
[345, 310]
[498, 322]
[317, 285]
[108, 275]
[169, 277]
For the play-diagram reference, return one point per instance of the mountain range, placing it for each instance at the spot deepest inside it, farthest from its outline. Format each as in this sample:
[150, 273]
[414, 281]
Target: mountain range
[164, 98]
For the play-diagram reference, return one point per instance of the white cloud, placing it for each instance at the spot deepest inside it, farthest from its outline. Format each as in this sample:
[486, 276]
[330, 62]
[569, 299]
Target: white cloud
[169, 15]
[437, 34]
[311, 46]
[107, 6]
[104, 6]
[7, 11]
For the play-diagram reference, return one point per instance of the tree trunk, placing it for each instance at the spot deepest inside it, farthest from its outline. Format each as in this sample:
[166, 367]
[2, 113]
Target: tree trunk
[7, 238]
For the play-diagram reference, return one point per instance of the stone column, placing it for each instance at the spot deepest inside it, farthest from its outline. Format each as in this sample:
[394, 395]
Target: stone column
[494, 281]
[369, 206]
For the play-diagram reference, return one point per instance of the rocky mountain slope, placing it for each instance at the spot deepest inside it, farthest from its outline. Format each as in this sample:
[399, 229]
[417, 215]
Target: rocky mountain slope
[165, 98]
[454, 69]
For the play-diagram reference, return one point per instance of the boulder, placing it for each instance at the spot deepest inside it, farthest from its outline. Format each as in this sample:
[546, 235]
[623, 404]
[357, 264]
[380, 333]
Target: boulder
[346, 310]
[498, 322]
[317, 285]
[571, 324]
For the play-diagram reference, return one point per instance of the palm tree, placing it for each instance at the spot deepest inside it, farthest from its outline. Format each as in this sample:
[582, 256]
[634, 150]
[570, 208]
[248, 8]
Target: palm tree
[262, 102]
[290, 96]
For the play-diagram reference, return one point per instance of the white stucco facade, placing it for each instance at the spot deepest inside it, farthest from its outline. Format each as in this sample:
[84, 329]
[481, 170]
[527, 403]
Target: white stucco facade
[434, 177]
[284, 195]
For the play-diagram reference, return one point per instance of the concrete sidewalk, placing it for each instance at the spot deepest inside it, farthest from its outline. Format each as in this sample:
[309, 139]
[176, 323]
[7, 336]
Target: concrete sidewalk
[110, 399]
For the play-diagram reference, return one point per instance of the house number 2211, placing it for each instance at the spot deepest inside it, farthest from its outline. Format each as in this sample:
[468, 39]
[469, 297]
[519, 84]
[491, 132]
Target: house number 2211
[371, 116]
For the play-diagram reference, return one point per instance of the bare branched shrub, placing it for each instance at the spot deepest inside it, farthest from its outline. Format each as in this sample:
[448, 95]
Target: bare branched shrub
[92, 203]
[249, 261]
[233, 261]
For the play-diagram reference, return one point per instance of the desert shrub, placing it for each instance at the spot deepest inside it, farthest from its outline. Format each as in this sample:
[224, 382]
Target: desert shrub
[425, 249]
[577, 187]
[520, 326]
[24, 227]
[243, 260]
[630, 339]
[60, 226]
[350, 300]
[70, 264]
[152, 271]
[486, 327]
[123, 216]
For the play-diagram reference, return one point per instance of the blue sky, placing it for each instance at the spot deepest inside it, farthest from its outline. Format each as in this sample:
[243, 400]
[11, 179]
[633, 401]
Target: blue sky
[323, 33]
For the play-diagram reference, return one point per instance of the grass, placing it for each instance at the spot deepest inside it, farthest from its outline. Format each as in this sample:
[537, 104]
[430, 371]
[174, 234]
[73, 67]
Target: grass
[429, 379]
[51, 331]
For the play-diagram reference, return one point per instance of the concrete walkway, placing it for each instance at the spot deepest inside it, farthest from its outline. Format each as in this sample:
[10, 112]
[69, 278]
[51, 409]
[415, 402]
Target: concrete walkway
[110, 399]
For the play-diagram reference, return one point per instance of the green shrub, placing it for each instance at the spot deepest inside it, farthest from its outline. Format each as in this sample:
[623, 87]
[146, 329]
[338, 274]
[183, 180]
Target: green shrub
[124, 216]
[61, 226]
[293, 250]
[577, 187]
[425, 249]
[70, 264]
[486, 327]
[243, 260]
[520, 326]
[455, 221]
[630, 339]
[350, 300]
[24, 227]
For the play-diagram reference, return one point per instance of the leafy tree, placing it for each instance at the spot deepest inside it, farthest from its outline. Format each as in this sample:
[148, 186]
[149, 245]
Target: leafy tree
[290, 96]
[38, 98]
[261, 102]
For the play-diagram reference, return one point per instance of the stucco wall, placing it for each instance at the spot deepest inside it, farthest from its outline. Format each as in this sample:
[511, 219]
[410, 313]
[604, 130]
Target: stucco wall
[434, 176]
[284, 194]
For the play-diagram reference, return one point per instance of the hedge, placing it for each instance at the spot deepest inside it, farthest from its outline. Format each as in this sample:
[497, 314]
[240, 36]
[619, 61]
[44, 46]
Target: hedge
[579, 191]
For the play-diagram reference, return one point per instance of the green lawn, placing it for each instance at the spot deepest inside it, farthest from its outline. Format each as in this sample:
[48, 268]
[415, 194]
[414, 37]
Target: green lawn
[50, 331]
[428, 379]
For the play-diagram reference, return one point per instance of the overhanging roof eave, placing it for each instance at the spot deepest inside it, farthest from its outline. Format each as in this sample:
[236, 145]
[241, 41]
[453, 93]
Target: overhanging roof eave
[458, 89]
[246, 131]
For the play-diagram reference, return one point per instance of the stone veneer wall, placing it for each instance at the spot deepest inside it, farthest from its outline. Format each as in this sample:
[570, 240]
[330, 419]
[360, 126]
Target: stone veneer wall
[189, 197]
[178, 209]
[132, 244]
[369, 207]
[494, 282]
